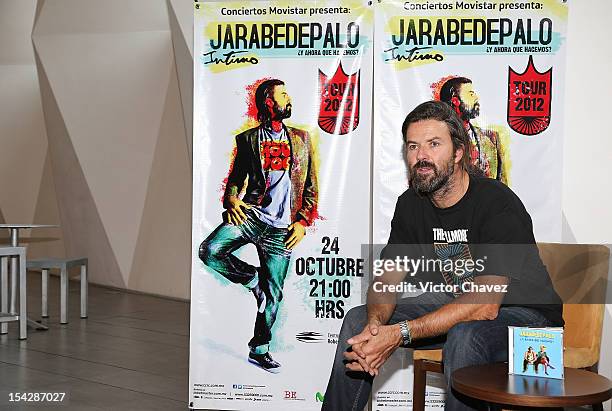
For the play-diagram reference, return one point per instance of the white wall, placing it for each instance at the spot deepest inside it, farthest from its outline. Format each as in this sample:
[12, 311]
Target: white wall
[587, 189]
[94, 136]
[27, 193]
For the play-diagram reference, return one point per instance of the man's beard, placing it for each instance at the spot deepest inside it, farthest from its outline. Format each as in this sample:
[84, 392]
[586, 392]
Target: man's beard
[471, 112]
[281, 113]
[430, 183]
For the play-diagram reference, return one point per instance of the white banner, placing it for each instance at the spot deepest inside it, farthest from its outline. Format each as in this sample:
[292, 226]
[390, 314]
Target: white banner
[296, 152]
[501, 65]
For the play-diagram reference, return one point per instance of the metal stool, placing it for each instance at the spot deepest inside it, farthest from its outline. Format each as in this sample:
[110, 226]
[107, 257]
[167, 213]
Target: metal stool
[18, 259]
[63, 264]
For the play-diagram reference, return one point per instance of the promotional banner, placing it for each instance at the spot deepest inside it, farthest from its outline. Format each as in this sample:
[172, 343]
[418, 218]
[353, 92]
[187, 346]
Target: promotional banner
[500, 66]
[281, 188]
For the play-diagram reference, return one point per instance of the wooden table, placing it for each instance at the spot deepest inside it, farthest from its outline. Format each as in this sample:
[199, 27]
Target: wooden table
[493, 384]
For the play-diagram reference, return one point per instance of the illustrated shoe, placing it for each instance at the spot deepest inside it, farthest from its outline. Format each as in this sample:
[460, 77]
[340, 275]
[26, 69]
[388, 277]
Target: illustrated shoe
[260, 297]
[265, 362]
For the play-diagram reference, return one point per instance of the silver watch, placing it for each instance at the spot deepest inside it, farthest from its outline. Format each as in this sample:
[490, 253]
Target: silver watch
[405, 330]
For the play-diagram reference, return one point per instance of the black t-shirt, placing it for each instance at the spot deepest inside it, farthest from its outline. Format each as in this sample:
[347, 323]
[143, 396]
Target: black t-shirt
[490, 226]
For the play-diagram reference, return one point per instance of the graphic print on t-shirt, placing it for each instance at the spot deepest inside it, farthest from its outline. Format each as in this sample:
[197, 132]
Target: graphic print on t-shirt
[450, 247]
[275, 155]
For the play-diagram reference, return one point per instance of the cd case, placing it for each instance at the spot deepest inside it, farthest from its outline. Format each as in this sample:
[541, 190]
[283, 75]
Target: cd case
[535, 351]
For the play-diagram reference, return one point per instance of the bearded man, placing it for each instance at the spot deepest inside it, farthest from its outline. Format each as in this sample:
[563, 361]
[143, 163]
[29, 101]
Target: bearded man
[277, 165]
[451, 216]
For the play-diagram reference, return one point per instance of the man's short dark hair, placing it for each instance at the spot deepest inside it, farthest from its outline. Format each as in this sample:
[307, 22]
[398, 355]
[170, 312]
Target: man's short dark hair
[450, 89]
[264, 90]
[437, 110]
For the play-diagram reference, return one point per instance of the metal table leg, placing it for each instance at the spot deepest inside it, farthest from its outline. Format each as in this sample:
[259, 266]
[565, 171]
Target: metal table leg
[84, 291]
[64, 285]
[23, 313]
[4, 291]
[14, 268]
[14, 242]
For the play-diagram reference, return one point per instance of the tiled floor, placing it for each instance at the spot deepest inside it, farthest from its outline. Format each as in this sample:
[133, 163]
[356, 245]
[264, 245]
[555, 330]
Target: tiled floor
[130, 354]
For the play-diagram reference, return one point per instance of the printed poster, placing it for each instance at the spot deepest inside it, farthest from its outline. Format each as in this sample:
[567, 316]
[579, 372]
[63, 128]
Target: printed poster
[281, 188]
[501, 66]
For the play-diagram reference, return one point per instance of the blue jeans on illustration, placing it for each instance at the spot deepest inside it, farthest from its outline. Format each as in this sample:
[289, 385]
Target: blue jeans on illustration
[217, 253]
[468, 343]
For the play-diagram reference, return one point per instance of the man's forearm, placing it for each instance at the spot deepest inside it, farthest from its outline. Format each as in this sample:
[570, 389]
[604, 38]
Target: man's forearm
[380, 306]
[439, 322]
[467, 307]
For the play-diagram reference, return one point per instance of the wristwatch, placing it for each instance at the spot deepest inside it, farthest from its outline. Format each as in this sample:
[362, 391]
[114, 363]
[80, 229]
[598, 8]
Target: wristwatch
[405, 330]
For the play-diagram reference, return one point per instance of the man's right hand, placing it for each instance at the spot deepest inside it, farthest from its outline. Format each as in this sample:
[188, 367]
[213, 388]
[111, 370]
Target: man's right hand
[234, 211]
[357, 357]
